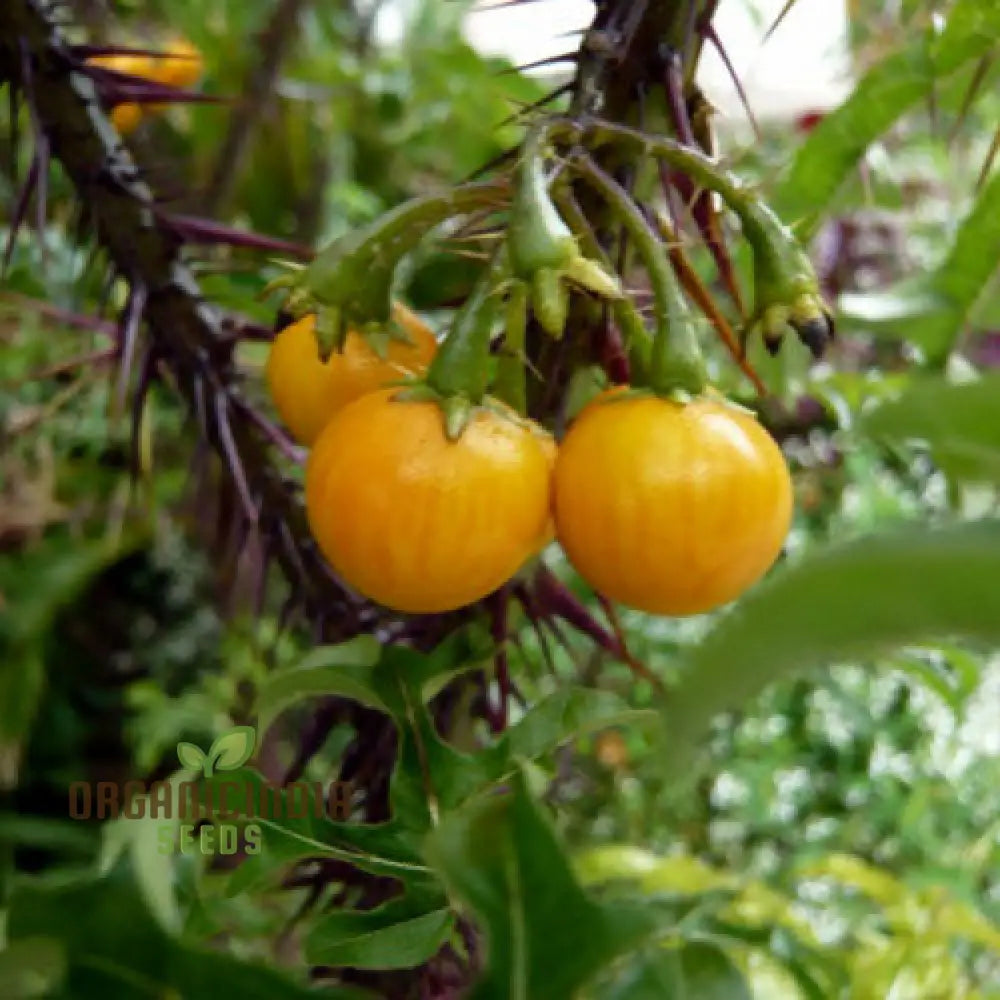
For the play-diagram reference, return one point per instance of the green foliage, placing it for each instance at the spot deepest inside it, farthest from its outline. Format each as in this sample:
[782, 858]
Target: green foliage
[120, 951]
[890, 89]
[546, 939]
[810, 809]
[959, 423]
[847, 602]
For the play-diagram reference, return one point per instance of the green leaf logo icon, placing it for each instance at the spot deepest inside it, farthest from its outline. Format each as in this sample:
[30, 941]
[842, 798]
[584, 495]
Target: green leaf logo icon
[230, 751]
[190, 756]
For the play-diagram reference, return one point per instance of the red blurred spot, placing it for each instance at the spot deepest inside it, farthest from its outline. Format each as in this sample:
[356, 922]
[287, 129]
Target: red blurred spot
[809, 120]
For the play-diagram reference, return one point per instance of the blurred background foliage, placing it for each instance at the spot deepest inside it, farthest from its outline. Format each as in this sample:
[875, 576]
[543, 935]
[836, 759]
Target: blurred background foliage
[845, 837]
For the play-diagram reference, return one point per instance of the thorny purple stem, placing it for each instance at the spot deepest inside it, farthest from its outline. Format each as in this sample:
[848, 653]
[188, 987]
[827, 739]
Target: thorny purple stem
[127, 339]
[147, 369]
[275, 434]
[187, 333]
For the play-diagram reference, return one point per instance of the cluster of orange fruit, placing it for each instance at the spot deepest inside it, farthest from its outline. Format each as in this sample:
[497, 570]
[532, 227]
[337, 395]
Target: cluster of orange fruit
[179, 65]
[665, 506]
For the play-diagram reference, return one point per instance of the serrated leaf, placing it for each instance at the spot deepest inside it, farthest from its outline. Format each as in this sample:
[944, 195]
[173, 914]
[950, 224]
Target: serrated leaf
[556, 719]
[233, 749]
[191, 756]
[373, 939]
[848, 601]
[379, 848]
[344, 669]
[546, 938]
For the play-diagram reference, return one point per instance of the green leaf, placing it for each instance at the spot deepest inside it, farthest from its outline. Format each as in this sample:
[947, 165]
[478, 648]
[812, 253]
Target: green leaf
[654, 974]
[114, 947]
[849, 601]
[344, 669]
[31, 967]
[886, 92]
[960, 423]
[383, 938]
[233, 749]
[554, 721]
[394, 680]
[191, 757]
[694, 971]
[709, 974]
[66, 835]
[379, 848]
[962, 277]
[22, 682]
[141, 839]
[546, 938]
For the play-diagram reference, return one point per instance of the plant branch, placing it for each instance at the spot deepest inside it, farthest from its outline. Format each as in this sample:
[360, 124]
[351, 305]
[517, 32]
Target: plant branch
[188, 335]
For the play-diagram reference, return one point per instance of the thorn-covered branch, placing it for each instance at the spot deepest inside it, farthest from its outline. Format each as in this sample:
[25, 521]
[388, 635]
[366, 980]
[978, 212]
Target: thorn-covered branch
[186, 334]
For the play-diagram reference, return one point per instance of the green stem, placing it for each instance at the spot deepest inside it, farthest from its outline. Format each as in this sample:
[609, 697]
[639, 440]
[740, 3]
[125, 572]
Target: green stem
[765, 232]
[509, 384]
[786, 289]
[696, 164]
[633, 330]
[461, 366]
[763, 229]
[675, 359]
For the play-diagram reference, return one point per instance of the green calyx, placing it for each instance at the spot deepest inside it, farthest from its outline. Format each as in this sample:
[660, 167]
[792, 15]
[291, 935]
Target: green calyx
[458, 410]
[786, 289]
[537, 236]
[543, 251]
[349, 283]
[550, 301]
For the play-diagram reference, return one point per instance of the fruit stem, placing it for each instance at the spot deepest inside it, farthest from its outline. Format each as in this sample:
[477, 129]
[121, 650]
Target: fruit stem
[786, 289]
[634, 333]
[509, 384]
[461, 365]
[675, 361]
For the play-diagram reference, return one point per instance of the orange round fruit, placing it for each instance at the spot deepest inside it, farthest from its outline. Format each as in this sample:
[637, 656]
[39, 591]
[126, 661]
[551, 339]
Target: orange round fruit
[180, 66]
[128, 63]
[420, 523]
[126, 117]
[307, 391]
[667, 507]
